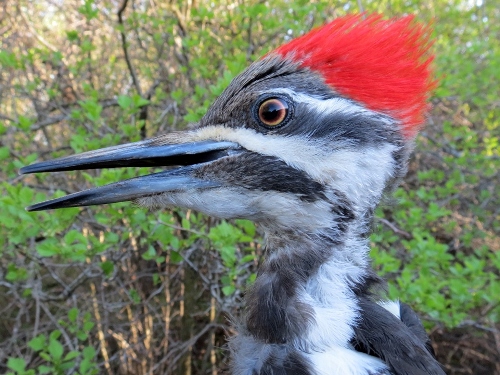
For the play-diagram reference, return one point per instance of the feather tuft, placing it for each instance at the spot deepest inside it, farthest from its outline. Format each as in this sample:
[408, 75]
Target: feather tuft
[383, 64]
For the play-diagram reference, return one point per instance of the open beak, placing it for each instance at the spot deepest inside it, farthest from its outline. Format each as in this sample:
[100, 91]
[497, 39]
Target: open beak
[188, 156]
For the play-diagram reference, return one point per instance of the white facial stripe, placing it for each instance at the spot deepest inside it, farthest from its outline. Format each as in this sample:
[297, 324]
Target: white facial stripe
[330, 106]
[360, 174]
[293, 150]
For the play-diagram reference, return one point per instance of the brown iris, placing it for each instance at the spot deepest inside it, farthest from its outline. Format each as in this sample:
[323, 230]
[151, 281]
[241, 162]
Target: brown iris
[273, 111]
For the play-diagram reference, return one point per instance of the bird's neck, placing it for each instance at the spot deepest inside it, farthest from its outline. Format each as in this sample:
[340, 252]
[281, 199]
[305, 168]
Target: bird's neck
[304, 305]
[305, 292]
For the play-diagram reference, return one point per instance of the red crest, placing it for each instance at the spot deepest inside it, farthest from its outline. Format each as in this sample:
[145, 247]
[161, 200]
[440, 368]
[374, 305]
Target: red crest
[383, 64]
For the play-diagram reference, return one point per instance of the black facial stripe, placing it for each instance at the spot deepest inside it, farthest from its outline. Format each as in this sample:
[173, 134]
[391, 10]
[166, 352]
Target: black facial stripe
[357, 129]
[265, 173]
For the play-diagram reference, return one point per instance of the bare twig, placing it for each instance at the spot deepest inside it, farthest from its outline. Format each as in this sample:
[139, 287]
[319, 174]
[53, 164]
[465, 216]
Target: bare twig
[394, 228]
[482, 327]
[56, 323]
[34, 31]
[445, 147]
[125, 49]
[182, 349]
[100, 332]
[64, 116]
[361, 8]
[4, 117]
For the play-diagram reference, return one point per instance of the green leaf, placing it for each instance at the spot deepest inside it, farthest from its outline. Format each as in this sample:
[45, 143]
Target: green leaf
[228, 254]
[107, 267]
[92, 109]
[73, 314]
[26, 195]
[228, 290]
[85, 366]
[16, 364]
[139, 101]
[4, 153]
[47, 248]
[55, 349]
[87, 326]
[89, 10]
[45, 356]
[71, 355]
[82, 336]
[8, 59]
[134, 295]
[16, 273]
[37, 343]
[175, 257]
[248, 258]
[124, 101]
[24, 123]
[88, 352]
[65, 366]
[149, 254]
[72, 35]
[42, 369]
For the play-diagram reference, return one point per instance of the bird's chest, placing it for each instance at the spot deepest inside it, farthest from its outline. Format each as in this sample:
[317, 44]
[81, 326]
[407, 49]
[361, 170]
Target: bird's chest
[326, 345]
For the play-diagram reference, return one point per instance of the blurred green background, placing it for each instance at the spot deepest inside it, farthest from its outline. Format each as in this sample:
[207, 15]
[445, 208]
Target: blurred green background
[119, 290]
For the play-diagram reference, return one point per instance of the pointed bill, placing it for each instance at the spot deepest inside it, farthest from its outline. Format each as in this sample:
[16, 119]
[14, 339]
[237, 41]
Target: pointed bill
[128, 190]
[137, 154]
[189, 155]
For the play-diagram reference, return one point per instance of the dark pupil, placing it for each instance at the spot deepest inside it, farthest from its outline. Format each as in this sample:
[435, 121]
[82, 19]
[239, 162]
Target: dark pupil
[273, 111]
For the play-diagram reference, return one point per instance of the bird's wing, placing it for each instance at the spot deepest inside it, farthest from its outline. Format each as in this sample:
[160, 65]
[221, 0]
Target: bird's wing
[412, 321]
[401, 344]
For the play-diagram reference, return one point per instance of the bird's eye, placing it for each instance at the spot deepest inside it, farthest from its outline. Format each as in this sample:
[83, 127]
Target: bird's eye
[273, 112]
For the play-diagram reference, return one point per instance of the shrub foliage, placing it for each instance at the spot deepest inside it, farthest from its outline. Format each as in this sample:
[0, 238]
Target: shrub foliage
[119, 290]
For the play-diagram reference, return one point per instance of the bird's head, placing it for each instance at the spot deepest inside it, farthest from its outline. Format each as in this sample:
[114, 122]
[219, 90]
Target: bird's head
[307, 137]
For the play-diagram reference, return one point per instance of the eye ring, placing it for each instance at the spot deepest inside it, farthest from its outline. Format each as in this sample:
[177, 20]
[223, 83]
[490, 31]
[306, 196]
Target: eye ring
[273, 111]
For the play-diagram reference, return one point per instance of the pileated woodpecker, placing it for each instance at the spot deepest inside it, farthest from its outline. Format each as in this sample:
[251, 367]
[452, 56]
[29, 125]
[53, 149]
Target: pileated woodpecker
[304, 142]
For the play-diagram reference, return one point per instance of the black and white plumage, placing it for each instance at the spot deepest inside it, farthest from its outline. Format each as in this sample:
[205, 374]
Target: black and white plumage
[308, 160]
